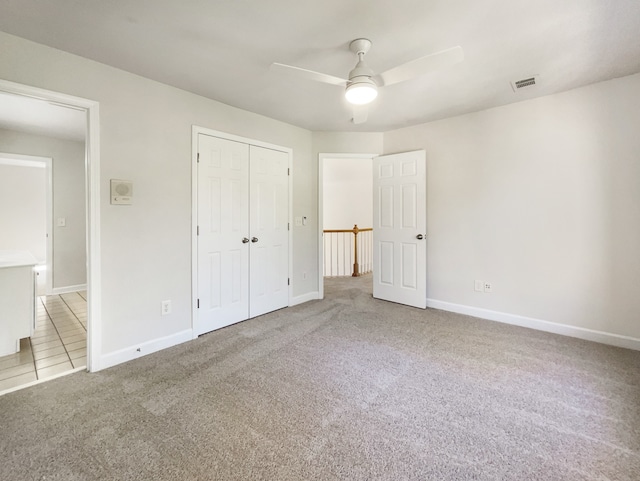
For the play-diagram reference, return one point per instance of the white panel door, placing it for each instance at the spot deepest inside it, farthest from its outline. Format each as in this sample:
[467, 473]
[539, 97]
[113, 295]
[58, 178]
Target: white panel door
[269, 255]
[223, 240]
[399, 228]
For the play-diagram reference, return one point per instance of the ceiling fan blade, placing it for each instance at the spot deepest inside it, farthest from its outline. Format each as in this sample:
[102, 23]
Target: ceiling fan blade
[421, 66]
[360, 114]
[308, 74]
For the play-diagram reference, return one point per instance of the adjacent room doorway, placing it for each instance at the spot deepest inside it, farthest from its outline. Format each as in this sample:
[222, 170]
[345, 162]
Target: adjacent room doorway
[88, 110]
[338, 260]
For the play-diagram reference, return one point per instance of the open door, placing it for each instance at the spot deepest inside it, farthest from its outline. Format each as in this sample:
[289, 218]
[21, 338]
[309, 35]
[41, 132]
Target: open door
[399, 228]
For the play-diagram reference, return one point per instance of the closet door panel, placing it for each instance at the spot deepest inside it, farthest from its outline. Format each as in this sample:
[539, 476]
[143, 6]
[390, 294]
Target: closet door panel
[269, 259]
[223, 222]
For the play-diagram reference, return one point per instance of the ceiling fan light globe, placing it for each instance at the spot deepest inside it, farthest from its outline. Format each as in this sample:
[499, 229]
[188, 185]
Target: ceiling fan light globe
[361, 91]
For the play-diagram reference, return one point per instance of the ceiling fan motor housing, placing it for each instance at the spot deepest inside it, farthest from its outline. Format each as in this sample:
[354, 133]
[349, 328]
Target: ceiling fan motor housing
[361, 70]
[361, 89]
[360, 46]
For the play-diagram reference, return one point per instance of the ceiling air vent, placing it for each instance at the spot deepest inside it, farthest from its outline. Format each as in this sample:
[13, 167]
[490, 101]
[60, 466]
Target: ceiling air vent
[525, 83]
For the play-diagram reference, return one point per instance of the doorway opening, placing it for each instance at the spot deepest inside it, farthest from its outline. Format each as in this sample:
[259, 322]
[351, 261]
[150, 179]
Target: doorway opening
[33, 119]
[345, 201]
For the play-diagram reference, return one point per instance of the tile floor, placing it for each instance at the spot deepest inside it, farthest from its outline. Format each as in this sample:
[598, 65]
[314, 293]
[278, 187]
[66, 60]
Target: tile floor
[58, 344]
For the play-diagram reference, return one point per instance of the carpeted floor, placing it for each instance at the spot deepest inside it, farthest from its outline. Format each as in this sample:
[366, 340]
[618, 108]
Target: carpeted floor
[347, 388]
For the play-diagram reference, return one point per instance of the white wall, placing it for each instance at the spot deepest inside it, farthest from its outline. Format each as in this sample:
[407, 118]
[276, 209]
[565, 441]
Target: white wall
[347, 193]
[542, 199]
[347, 143]
[23, 209]
[69, 242]
[145, 137]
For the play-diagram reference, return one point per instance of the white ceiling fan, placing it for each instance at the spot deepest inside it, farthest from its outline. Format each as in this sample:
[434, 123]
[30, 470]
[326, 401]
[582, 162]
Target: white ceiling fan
[361, 88]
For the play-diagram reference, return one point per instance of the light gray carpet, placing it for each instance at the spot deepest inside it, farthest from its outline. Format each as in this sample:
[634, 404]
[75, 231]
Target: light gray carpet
[347, 388]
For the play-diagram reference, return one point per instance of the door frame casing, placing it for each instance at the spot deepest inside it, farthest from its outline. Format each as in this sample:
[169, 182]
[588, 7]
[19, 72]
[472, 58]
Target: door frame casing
[195, 132]
[23, 160]
[92, 200]
[321, 158]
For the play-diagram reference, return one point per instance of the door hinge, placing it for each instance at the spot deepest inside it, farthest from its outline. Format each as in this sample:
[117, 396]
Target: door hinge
[198, 160]
[197, 230]
[288, 226]
[288, 281]
[288, 171]
[198, 303]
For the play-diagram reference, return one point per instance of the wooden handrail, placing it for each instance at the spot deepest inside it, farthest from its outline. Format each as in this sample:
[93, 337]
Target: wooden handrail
[367, 229]
[355, 231]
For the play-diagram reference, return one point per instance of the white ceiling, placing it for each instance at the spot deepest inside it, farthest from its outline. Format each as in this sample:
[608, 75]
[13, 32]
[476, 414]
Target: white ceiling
[24, 114]
[222, 49]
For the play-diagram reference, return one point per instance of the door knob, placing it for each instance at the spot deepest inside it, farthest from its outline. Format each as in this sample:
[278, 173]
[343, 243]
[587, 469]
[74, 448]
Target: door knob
[245, 240]
[254, 239]
[419, 237]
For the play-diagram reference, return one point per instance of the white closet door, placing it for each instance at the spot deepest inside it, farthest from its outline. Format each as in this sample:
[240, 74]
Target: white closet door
[399, 228]
[269, 256]
[223, 220]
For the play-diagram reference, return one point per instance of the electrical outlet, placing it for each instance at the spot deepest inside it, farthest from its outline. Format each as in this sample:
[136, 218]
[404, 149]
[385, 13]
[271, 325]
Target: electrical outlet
[166, 307]
[487, 287]
[479, 286]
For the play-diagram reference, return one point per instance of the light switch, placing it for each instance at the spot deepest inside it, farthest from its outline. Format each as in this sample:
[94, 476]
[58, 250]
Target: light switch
[62, 221]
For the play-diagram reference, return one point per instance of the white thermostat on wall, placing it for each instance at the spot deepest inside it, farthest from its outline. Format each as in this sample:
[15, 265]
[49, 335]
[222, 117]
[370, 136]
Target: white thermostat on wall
[121, 192]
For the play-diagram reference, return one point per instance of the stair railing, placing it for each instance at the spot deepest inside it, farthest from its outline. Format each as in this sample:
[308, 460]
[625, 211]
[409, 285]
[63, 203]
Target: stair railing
[343, 257]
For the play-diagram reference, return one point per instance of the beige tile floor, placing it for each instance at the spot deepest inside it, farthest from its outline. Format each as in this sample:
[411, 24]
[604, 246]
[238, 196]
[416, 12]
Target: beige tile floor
[58, 344]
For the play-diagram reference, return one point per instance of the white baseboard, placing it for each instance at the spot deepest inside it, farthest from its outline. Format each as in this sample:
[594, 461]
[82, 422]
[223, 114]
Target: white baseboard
[139, 350]
[540, 325]
[309, 296]
[67, 289]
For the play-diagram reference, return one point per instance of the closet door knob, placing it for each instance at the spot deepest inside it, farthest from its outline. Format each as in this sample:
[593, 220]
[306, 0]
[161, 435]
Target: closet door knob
[245, 240]
[419, 237]
[254, 239]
